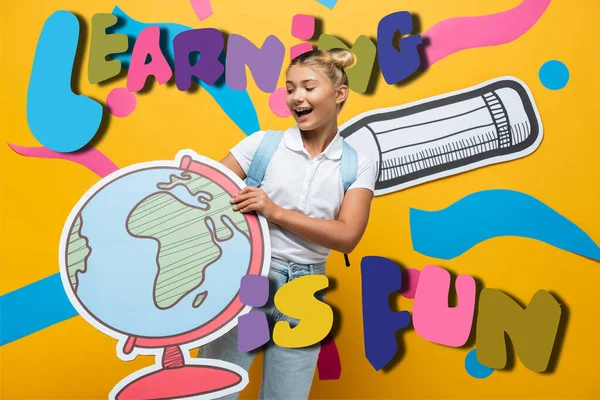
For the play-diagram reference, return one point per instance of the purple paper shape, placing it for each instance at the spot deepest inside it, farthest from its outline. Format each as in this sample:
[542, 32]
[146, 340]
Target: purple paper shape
[253, 331]
[209, 43]
[254, 290]
[264, 63]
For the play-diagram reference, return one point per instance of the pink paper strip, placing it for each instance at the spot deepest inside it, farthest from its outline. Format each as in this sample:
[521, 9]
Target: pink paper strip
[90, 157]
[202, 8]
[455, 34]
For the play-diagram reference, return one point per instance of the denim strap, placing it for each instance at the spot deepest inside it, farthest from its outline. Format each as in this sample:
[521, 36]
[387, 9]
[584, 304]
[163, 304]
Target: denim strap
[262, 157]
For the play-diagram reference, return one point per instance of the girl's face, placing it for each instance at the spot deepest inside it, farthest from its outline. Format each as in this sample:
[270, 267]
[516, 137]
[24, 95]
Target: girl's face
[311, 98]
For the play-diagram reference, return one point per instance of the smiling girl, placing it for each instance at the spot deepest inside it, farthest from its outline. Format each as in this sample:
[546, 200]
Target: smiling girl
[309, 203]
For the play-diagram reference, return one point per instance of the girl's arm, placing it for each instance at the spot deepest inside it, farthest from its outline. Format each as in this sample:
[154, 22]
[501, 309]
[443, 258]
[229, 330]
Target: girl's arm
[342, 234]
[230, 162]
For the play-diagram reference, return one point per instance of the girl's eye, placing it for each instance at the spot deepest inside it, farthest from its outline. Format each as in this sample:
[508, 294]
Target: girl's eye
[289, 91]
[309, 88]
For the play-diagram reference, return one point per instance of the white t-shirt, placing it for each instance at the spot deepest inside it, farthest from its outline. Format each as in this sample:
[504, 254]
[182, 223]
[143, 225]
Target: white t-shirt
[310, 187]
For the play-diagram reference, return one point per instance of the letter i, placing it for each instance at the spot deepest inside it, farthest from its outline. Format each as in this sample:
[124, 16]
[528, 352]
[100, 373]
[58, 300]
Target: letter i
[303, 27]
[253, 328]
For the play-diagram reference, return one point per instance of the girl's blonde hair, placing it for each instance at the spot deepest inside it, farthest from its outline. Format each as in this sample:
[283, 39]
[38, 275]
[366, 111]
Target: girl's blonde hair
[331, 63]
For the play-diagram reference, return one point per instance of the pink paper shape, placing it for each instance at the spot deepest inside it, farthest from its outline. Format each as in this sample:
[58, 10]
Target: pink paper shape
[410, 280]
[89, 157]
[455, 34]
[121, 102]
[277, 103]
[202, 8]
[432, 319]
[179, 382]
[303, 26]
[298, 49]
[147, 42]
[329, 364]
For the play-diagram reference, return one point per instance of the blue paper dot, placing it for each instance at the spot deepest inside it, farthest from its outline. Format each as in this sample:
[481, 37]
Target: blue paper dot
[554, 75]
[475, 368]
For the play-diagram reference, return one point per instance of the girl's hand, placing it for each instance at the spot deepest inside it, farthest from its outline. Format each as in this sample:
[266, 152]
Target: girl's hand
[254, 199]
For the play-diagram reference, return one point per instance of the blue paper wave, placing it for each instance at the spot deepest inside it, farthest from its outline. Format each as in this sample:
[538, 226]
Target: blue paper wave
[450, 232]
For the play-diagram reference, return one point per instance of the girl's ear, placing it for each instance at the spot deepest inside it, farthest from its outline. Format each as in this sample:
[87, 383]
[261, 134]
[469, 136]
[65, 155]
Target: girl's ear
[341, 94]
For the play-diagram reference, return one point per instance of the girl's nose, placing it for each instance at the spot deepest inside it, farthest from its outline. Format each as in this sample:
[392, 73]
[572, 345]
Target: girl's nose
[298, 96]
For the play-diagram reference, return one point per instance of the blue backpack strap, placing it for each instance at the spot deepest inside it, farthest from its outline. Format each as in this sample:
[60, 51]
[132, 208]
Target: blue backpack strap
[262, 157]
[349, 166]
[349, 173]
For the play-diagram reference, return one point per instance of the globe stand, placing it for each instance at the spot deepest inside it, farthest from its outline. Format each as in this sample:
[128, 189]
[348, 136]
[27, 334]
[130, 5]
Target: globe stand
[178, 380]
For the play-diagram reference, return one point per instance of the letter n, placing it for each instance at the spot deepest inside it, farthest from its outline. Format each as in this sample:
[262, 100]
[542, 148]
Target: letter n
[532, 330]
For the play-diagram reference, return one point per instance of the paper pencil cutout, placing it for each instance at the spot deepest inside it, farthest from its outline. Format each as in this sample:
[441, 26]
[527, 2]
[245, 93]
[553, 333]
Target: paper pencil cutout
[445, 135]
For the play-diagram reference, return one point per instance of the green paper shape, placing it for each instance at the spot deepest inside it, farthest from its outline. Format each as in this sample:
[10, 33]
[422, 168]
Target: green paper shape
[532, 330]
[364, 50]
[101, 45]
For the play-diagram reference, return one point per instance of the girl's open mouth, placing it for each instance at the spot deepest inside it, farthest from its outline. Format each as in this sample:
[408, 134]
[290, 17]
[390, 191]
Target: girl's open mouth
[303, 113]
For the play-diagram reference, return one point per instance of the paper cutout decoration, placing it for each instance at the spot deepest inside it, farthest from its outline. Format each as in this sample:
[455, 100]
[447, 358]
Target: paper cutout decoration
[300, 49]
[253, 328]
[296, 300]
[329, 364]
[328, 3]
[303, 26]
[554, 75]
[455, 34]
[397, 65]
[32, 308]
[364, 50]
[277, 103]
[43, 303]
[121, 102]
[432, 319]
[475, 368]
[254, 290]
[101, 45]
[253, 331]
[59, 119]
[209, 44]
[452, 231]
[265, 62]
[90, 157]
[380, 278]
[410, 281]
[236, 104]
[137, 232]
[202, 8]
[147, 44]
[445, 135]
[531, 330]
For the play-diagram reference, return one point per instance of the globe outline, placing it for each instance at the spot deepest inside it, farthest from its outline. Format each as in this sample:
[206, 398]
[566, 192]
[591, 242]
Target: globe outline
[154, 345]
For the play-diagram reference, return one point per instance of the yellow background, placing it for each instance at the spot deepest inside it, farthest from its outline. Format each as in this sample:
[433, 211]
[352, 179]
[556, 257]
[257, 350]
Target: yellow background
[72, 360]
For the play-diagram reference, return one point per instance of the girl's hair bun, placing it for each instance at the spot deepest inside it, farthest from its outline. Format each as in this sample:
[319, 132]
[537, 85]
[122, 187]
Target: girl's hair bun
[341, 58]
